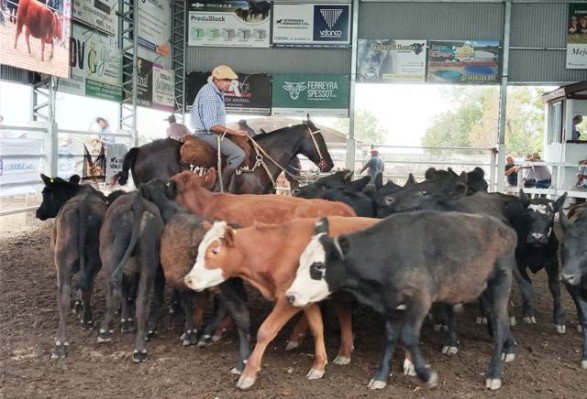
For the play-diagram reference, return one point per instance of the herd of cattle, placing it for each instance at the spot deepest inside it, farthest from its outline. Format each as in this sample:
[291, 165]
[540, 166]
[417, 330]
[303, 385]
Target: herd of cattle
[406, 251]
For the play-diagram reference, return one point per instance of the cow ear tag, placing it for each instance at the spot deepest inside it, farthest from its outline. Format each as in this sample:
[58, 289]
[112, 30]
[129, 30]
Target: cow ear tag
[52, 180]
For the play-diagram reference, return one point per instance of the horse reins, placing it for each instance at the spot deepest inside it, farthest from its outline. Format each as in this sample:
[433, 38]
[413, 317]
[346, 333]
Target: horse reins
[260, 152]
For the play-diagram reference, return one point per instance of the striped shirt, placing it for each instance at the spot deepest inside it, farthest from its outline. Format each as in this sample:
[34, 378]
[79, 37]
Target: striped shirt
[208, 109]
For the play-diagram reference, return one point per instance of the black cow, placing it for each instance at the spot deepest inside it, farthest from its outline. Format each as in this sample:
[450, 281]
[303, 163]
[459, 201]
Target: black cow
[181, 237]
[132, 228]
[475, 179]
[78, 211]
[574, 265]
[404, 264]
[537, 248]
[259, 9]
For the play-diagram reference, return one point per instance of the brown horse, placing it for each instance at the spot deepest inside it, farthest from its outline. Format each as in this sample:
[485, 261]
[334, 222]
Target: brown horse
[161, 160]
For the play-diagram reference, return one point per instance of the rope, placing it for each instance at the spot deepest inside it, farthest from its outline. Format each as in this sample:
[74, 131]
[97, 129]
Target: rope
[219, 160]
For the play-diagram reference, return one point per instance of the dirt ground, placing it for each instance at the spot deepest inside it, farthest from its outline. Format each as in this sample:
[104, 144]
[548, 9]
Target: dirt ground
[546, 365]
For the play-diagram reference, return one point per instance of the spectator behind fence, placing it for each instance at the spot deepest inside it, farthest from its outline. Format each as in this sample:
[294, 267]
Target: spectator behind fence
[541, 173]
[104, 131]
[575, 133]
[375, 164]
[511, 171]
[176, 130]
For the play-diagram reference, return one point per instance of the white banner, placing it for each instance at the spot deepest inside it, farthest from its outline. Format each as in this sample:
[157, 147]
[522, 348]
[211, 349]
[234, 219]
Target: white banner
[163, 88]
[155, 26]
[237, 24]
[98, 14]
[16, 168]
[386, 60]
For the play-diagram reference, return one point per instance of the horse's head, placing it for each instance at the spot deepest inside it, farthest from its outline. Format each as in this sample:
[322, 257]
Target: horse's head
[314, 147]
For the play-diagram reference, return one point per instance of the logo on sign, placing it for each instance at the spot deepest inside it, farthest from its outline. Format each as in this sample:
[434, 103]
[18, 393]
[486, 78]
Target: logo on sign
[331, 23]
[294, 89]
[330, 16]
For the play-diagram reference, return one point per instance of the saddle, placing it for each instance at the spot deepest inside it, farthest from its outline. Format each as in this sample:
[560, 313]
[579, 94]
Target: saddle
[197, 153]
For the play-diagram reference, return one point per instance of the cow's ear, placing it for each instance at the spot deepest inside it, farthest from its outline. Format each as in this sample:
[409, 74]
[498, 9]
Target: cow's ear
[460, 190]
[321, 226]
[558, 204]
[411, 180]
[348, 177]
[342, 245]
[430, 173]
[75, 179]
[462, 177]
[564, 220]
[229, 236]
[524, 198]
[206, 225]
[47, 180]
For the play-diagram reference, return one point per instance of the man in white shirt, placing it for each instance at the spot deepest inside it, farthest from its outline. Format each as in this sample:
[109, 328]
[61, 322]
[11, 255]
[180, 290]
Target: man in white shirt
[176, 130]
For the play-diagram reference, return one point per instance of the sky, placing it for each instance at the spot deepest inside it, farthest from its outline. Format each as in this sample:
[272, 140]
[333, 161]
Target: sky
[405, 111]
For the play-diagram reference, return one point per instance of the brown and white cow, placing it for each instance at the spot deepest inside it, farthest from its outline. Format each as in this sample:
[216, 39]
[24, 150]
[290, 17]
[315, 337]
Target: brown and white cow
[267, 256]
[40, 22]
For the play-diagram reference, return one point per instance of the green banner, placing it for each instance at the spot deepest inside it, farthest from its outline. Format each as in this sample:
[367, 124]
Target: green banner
[298, 94]
[103, 90]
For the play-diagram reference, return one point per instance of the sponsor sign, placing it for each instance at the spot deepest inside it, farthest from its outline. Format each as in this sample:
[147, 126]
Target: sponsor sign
[97, 14]
[144, 83]
[298, 94]
[155, 26]
[229, 23]
[311, 25]
[251, 94]
[163, 88]
[391, 60]
[577, 36]
[463, 61]
[96, 66]
[16, 169]
[45, 21]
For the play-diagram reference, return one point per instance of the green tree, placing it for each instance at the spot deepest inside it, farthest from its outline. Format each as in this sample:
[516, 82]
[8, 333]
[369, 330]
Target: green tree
[368, 129]
[473, 122]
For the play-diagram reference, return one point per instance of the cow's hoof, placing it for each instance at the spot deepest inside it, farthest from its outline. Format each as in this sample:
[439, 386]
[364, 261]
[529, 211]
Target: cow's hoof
[529, 320]
[314, 374]
[77, 307]
[245, 383]
[513, 321]
[205, 340]
[189, 337]
[235, 371]
[481, 320]
[374, 384]
[450, 350]
[508, 357]
[440, 327]
[432, 381]
[59, 350]
[291, 345]
[139, 356]
[105, 336]
[342, 360]
[409, 368]
[493, 384]
[126, 325]
[584, 364]
[151, 334]
[561, 329]
[87, 324]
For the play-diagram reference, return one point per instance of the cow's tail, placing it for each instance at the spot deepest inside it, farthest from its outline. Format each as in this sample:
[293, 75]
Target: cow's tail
[137, 208]
[127, 163]
[82, 212]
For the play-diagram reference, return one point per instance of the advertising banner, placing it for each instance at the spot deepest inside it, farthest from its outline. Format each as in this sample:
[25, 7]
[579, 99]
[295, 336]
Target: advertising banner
[155, 26]
[463, 61]
[47, 21]
[388, 60]
[96, 66]
[251, 94]
[97, 14]
[577, 36]
[163, 89]
[15, 169]
[144, 83]
[298, 94]
[311, 25]
[229, 23]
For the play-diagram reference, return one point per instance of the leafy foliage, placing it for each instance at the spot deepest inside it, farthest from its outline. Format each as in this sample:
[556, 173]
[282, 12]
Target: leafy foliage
[368, 129]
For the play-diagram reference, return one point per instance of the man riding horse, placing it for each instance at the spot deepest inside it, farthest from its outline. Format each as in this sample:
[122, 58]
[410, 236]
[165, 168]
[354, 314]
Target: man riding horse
[208, 117]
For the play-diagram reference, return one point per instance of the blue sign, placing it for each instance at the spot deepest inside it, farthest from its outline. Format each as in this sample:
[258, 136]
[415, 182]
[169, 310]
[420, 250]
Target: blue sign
[331, 23]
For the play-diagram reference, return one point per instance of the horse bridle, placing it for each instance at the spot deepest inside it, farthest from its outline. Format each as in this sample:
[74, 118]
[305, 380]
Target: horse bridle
[312, 133]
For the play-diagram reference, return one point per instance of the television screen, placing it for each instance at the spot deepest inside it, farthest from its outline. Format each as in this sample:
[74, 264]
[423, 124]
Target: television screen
[35, 36]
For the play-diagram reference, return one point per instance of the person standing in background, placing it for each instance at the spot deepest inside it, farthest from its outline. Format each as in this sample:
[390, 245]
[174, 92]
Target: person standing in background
[104, 131]
[575, 133]
[176, 130]
[511, 171]
[375, 164]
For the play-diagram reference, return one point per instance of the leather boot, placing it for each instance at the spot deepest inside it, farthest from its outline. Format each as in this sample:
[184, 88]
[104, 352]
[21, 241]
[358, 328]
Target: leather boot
[228, 178]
